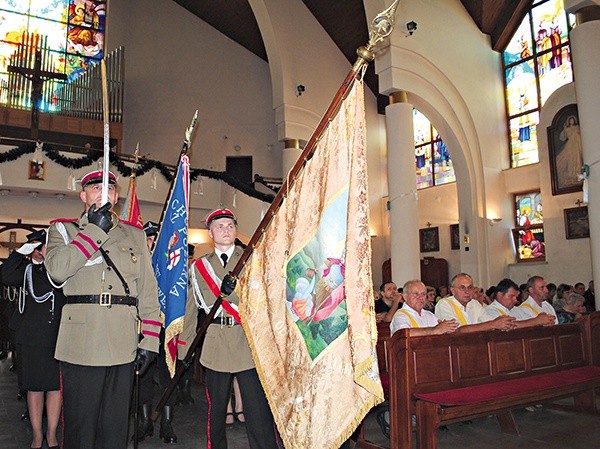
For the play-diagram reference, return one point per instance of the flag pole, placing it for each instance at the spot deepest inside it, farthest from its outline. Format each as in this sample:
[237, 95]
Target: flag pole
[381, 27]
[106, 146]
[187, 143]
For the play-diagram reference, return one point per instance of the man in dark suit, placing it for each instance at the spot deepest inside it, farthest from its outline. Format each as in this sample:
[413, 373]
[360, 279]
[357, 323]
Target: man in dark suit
[225, 352]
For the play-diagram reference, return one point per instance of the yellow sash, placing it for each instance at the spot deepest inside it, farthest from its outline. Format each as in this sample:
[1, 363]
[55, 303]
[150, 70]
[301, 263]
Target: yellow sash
[529, 306]
[502, 312]
[413, 322]
[459, 314]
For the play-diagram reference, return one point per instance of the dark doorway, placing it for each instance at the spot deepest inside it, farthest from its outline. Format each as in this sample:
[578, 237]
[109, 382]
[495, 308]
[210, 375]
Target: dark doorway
[240, 167]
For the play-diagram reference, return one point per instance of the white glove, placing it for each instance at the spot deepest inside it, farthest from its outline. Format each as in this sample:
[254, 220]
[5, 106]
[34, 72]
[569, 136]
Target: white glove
[28, 248]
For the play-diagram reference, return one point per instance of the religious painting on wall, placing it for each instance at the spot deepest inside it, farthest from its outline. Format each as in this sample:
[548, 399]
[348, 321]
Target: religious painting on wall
[454, 236]
[528, 234]
[564, 145]
[429, 239]
[577, 225]
[37, 170]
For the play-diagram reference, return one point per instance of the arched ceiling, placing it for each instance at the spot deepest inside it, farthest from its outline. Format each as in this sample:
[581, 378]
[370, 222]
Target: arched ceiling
[346, 24]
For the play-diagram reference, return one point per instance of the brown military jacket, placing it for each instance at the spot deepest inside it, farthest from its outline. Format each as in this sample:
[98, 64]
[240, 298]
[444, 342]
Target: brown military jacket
[225, 349]
[92, 334]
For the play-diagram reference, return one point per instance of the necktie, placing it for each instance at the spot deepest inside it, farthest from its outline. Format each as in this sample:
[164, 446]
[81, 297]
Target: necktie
[224, 259]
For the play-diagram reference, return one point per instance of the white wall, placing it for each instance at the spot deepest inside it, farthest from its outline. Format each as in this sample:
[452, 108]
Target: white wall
[176, 64]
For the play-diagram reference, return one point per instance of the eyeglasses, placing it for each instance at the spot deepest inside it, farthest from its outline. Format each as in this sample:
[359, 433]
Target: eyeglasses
[464, 288]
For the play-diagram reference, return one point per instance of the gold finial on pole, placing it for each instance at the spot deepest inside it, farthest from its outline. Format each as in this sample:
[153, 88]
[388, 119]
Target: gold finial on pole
[382, 25]
[188, 133]
[380, 28]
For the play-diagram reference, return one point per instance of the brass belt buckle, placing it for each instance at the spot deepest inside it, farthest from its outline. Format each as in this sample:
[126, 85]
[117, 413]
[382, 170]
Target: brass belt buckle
[230, 321]
[105, 299]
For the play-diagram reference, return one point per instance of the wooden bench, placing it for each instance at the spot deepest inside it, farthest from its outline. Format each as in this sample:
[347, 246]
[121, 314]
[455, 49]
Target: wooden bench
[451, 378]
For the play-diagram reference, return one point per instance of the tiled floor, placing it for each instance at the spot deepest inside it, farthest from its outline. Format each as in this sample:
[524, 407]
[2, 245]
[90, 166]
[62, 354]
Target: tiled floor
[544, 428]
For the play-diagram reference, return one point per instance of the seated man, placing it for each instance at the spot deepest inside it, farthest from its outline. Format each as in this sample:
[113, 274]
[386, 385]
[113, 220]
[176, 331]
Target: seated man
[388, 303]
[455, 307]
[413, 316]
[507, 294]
[536, 302]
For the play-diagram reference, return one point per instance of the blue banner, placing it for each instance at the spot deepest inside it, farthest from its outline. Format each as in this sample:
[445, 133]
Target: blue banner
[170, 260]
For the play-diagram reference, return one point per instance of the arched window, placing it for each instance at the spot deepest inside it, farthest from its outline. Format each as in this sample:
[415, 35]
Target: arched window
[537, 61]
[433, 163]
[73, 32]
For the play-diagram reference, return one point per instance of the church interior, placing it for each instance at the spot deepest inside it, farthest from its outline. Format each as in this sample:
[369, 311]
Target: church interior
[481, 125]
[261, 76]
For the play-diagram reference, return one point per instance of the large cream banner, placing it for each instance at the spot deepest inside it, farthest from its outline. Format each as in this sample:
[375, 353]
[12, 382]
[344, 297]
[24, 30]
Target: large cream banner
[306, 299]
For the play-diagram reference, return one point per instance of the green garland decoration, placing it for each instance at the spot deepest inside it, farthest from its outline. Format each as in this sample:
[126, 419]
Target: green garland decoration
[143, 166]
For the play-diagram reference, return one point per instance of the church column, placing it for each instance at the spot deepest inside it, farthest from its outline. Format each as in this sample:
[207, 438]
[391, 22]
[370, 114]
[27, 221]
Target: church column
[586, 67]
[402, 185]
[291, 153]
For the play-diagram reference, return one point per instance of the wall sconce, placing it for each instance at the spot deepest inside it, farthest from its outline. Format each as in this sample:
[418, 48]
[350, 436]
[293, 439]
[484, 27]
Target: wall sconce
[491, 221]
[300, 89]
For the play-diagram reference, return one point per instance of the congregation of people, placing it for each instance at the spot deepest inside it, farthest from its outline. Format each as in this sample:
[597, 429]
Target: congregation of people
[465, 307]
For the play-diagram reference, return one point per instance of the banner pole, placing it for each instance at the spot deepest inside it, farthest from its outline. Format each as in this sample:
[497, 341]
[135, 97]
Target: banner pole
[381, 27]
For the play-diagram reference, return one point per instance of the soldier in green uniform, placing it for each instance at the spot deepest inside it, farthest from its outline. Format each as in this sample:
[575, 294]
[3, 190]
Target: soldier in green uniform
[225, 352]
[105, 270]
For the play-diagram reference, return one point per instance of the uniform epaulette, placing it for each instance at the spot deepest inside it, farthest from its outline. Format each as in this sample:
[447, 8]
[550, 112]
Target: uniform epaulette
[63, 220]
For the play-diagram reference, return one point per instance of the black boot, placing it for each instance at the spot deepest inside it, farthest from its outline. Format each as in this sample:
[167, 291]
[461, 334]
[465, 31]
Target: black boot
[166, 431]
[145, 427]
[179, 397]
[186, 392]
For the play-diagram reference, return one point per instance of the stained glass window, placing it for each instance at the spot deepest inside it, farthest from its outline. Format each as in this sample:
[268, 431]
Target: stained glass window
[433, 163]
[72, 30]
[537, 61]
[528, 233]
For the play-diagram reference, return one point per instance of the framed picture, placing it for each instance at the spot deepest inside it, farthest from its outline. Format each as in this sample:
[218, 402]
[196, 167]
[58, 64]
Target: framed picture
[577, 225]
[429, 239]
[454, 237]
[37, 170]
[529, 244]
[564, 145]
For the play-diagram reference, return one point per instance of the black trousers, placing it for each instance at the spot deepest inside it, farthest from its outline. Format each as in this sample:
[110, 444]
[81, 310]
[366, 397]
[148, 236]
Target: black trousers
[95, 405]
[260, 426]
[159, 369]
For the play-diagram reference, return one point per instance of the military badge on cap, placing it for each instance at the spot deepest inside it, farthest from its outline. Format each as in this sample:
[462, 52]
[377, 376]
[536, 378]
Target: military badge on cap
[95, 177]
[219, 213]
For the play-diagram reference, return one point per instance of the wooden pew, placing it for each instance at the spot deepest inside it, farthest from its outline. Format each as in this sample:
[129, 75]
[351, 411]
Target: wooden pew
[451, 378]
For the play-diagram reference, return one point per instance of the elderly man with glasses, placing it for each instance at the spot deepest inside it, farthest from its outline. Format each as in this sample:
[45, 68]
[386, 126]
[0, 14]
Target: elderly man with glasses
[455, 307]
[413, 316]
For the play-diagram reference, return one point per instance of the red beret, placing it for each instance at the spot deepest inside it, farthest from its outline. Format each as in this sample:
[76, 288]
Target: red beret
[219, 213]
[95, 177]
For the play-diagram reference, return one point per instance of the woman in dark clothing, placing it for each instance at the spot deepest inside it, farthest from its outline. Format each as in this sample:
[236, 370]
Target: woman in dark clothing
[40, 305]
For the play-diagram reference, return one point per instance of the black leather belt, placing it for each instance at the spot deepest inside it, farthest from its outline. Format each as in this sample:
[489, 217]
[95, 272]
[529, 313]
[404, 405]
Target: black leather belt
[228, 321]
[106, 299]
